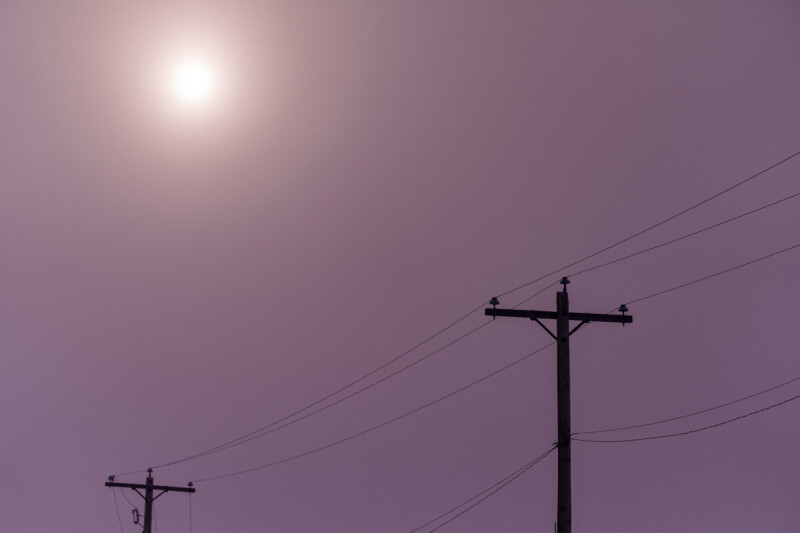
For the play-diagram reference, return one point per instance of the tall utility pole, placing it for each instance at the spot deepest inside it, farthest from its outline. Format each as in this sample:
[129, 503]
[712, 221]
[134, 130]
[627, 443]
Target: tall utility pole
[562, 317]
[148, 494]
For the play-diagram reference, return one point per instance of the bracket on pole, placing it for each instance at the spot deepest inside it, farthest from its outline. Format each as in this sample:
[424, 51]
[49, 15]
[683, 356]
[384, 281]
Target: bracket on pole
[543, 327]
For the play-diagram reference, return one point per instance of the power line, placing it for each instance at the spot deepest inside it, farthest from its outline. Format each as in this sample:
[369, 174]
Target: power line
[488, 376]
[116, 506]
[686, 236]
[256, 433]
[272, 427]
[383, 424]
[663, 421]
[484, 378]
[124, 495]
[704, 278]
[654, 226]
[683, 433]
[484, 494]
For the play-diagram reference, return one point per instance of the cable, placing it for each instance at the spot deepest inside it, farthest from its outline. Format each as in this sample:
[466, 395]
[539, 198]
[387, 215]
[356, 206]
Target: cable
[329, 445]
[383, 424]
[681, 434]
[246, 437]
[116, 506]
[692, 234]
[486, 493]
[124, 495]
[535, 295]
[657, 224]
[773, 254]
[514, 474]
[233, 442]
[261, 431]
[271, 428]
[690, 414]
[479, 380]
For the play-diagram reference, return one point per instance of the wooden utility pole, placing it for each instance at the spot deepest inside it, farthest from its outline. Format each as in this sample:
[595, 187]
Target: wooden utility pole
[148, 495]
[562, 317]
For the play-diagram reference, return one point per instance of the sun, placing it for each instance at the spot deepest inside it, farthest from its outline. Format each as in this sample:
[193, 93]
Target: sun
[193, 82]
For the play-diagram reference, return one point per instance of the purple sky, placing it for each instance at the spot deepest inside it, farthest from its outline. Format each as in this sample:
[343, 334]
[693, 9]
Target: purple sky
[369, 172]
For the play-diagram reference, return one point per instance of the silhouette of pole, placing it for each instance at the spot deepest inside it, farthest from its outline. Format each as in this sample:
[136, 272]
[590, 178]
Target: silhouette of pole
[149, 488]
[562, 317]
[564, 425]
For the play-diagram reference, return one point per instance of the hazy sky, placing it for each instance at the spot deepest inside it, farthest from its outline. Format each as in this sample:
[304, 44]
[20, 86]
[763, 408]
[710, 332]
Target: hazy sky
[363, 174]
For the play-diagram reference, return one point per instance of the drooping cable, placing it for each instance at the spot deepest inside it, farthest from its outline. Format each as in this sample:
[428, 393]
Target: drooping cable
[695, 413]
[704, 278]
[275, 427]
[274, 463]
[483, 495]
[683, 433]
[373, 428]
[125, 495]
[253, 434]
[654, 226]
[682, 237]
[116, 506]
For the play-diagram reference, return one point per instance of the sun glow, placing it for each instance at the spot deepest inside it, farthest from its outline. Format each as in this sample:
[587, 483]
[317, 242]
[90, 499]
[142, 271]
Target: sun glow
[193, 82]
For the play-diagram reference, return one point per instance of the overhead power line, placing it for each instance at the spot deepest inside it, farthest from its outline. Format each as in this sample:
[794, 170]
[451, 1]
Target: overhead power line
[275, 427]
[378, 426]
[453, 393]
[654, 226]
[482, 495]
[266, 430]
[704, 278]
[258, 432]
[116, 506]
[682, 237]
[695, 413]
[683, 433]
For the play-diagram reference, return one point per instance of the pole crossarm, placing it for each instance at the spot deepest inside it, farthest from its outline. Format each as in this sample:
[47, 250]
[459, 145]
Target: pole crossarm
[149, 488]
[154, 487]
[552, 315]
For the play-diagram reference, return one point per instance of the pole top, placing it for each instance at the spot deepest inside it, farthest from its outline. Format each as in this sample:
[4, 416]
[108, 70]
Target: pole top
[565, 281]
[623, 309]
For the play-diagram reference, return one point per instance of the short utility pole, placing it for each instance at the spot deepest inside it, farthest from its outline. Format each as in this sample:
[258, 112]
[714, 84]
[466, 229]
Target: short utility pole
[148, 496]
[562, 316]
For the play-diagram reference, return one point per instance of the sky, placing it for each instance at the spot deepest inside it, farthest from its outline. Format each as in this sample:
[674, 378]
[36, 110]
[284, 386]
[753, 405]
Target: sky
[362, 178]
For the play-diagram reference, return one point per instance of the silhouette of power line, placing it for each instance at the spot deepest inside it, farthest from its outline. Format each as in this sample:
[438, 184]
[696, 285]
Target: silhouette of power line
[260, 431]
[461, 389]
[116, 506]
[697, 430]
[274, 427]
[378, 426]
[686, 236]
[704, 278]
[266, 430]
[695, 413]
[483, 495]
[654, 226]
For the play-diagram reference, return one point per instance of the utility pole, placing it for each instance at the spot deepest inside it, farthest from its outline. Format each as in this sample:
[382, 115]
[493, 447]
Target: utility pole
[562, 316]
[148, 495]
